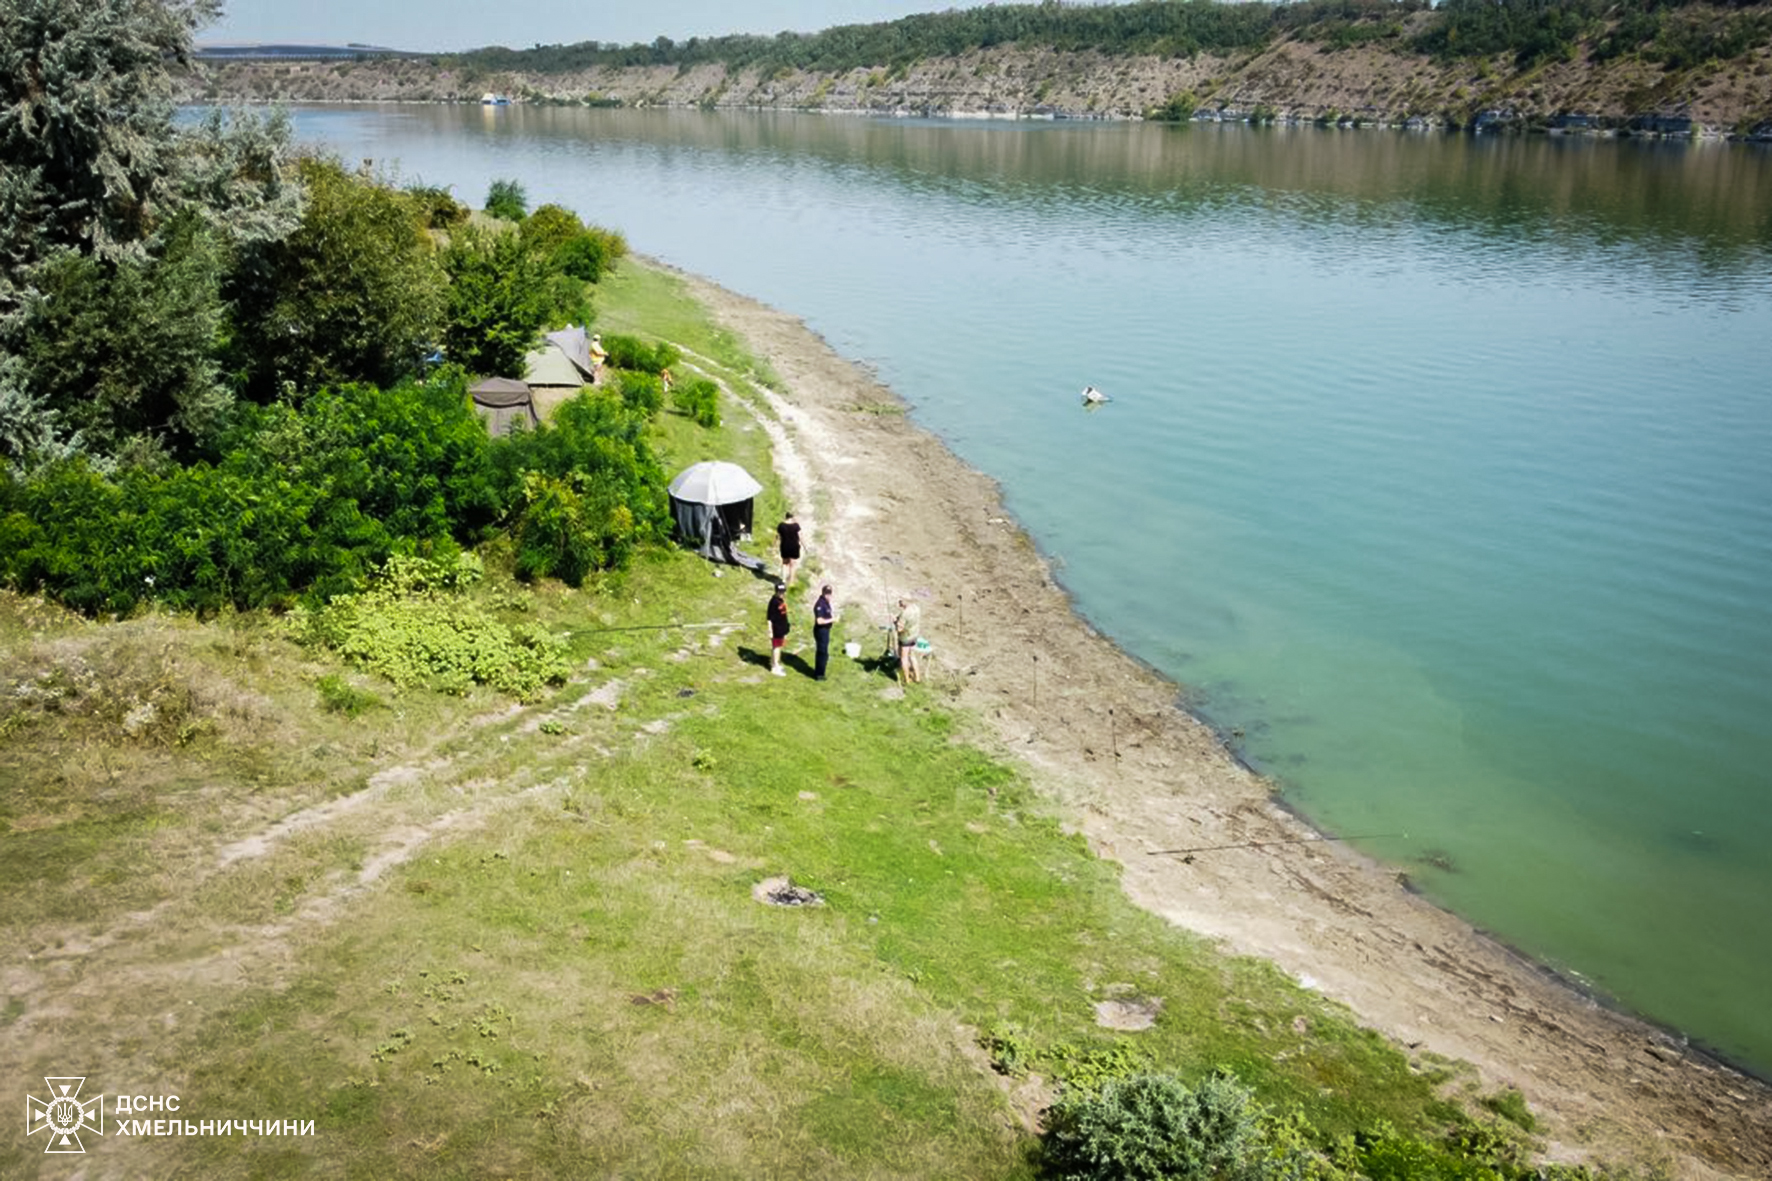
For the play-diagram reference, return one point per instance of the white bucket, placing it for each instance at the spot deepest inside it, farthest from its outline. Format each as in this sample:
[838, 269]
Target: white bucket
[852, 651]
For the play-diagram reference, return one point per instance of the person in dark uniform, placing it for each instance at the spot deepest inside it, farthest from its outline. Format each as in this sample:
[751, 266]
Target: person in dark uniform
[777, 614]
[823, 616]
[789, 532]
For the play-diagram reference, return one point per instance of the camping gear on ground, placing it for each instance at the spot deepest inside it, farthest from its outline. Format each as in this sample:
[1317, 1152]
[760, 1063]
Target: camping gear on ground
[559, 367]
[712, 504]
[504, 404]
[852, 650]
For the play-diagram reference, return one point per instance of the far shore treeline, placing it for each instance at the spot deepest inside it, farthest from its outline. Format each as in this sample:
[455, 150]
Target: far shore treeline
[1655, 68]
[1673, 33]
[234, 376]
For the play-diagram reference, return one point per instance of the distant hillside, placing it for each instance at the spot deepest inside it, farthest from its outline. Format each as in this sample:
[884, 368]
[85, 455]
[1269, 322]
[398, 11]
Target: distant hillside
[1638, 65]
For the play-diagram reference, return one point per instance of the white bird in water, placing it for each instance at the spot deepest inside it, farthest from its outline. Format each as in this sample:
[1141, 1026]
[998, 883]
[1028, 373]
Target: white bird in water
[1093, 396]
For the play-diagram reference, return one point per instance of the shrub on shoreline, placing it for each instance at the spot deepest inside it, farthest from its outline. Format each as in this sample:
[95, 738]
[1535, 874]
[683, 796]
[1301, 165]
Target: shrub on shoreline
[308, 501]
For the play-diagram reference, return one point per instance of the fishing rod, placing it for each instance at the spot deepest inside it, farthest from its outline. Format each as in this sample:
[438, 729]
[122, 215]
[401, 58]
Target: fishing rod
[644, 627]
[1371, 836]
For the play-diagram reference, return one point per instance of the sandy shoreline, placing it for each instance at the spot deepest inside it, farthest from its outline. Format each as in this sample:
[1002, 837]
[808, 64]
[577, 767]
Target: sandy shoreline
[889, 511]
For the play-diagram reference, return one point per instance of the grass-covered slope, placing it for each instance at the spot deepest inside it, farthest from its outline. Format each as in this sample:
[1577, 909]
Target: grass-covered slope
[471, 937]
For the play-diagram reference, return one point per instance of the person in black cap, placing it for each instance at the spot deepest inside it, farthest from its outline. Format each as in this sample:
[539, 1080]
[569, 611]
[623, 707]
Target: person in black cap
[778, 628]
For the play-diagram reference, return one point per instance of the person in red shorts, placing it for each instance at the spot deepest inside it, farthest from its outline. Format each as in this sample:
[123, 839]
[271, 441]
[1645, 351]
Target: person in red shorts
[777, 614]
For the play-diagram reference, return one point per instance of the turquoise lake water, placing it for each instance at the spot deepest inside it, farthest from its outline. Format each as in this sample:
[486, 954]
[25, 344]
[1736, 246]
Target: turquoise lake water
[1439, 467]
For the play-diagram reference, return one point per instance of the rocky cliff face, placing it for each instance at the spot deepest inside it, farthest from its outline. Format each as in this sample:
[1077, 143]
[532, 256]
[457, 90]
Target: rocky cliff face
[1289, 80]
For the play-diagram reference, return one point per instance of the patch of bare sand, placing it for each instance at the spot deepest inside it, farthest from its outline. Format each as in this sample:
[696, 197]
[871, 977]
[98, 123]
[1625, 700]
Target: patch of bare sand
[1152, 777]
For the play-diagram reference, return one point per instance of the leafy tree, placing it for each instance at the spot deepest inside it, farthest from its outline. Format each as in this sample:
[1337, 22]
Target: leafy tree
[1159, 28]
[124, 350]
[98, 254]
[550, 227]
[506, 200]
[354, 294]
[583, 252]
[28, 428]
[232, 169]
[86, 122]
[585, 257]
[1532, 30]
[501, 295]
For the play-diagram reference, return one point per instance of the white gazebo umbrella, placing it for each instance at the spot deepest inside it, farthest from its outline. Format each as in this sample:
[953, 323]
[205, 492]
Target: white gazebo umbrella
[714, 481]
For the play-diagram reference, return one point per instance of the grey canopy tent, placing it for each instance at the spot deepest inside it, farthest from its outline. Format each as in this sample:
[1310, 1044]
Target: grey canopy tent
[503, 402]
[711, 502]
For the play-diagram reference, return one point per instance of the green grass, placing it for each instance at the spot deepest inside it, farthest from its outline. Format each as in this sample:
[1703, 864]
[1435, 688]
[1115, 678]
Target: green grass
[569, 975]
[589, 985]
[654, 305]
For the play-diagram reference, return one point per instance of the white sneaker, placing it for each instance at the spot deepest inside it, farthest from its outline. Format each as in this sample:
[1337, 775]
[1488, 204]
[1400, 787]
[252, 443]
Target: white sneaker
[780, 672]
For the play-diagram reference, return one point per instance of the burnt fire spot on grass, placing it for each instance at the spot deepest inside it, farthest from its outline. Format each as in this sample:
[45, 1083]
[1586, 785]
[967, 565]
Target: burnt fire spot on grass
[783, 892]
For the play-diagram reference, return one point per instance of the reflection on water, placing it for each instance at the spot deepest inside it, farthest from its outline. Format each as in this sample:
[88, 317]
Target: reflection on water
[1663, 196]
[1436, 464]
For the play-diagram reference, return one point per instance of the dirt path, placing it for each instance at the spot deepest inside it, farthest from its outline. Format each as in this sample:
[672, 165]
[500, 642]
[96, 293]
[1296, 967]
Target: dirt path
[888, 511]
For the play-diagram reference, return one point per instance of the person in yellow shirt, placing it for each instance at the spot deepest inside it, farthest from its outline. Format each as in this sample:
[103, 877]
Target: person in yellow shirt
[599, 357]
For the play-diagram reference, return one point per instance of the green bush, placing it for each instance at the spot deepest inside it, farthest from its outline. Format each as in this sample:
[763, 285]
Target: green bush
[630, 352]
[415, 627]
[643, 392]
[585, 257]
[1151, 1127]
[440, 209]
[1180, 107]
[341, 697]
[415, 457]
[306, 500]
[198, 538]
[700, 400]
[587, 486]
[299, 500]
[507, 200]
[570, 526]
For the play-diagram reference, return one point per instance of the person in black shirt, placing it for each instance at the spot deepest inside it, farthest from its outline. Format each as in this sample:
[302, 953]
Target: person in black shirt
[777, 614]
[789, 532]
[823, 615]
